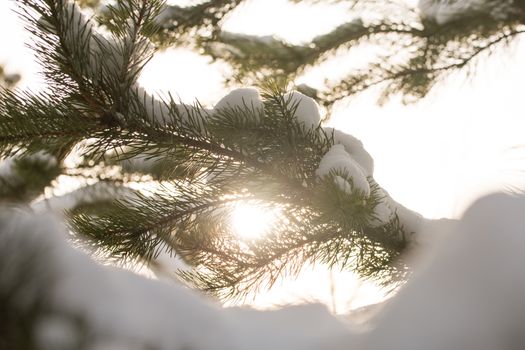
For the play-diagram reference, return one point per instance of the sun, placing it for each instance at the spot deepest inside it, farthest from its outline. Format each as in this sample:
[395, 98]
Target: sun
[252, 221]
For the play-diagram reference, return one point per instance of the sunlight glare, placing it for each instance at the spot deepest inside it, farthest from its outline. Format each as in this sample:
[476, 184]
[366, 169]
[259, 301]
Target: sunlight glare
[251, 221]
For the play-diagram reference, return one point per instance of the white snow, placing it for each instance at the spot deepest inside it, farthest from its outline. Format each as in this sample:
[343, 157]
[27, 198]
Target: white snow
[116, 303]
[76, 24]
[467, 295]
[306, 109]
[305, 327]
[337, 159]
[155, 108]
[143, 163]
[165, 113]
[413, 223]
[383, 214]
[124, 310]
[243, 98]
[470, 295]
[55, 333]
[386, 210]
[77, 28]
[354, 147]
[445, 11]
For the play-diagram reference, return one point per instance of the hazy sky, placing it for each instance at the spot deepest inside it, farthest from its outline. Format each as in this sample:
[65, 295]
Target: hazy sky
[434, 157]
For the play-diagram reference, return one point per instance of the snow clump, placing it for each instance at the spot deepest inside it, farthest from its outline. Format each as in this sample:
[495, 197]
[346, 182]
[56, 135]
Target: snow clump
[306, 109]
[337, 159]
[354, 147]
[241, 98]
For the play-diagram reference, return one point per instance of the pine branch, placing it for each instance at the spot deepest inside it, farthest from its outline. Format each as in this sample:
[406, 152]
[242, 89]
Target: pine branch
[267, 151]
[180, 24]
[229, 270]
[141, 226]
[251, 55]
[419, 74]
[33, 122]
[389, 24]
[268, 175]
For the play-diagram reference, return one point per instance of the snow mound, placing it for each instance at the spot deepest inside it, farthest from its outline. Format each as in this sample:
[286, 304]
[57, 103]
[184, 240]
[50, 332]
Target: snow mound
[337, 159]
[116, 305]
[470, 294]
[122, 310]
[306, 109]
[467, 295]
[99, 191]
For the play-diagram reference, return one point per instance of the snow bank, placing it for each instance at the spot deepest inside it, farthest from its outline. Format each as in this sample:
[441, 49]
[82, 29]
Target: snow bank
[117, 305]
[123, 310]
[470, 295]
[308, 327]
[338, 160]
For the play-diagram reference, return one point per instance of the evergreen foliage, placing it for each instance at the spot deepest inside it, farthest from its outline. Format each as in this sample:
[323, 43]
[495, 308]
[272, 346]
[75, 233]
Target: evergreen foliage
[201, 161]
[414, 52]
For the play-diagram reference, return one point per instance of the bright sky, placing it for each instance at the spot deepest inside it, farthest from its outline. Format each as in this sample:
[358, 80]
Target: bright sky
[435, 157]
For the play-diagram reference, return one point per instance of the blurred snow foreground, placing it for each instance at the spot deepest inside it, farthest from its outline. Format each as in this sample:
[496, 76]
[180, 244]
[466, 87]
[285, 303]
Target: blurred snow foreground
[468, 295]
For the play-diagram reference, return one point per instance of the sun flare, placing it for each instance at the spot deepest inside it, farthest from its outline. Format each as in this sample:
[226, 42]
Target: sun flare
[251, 221]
